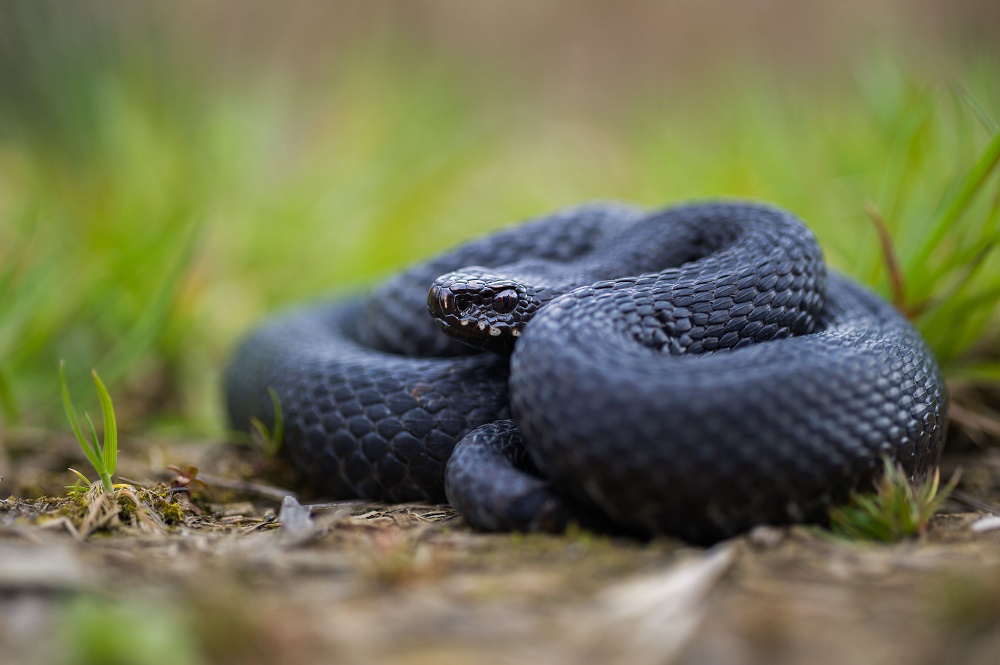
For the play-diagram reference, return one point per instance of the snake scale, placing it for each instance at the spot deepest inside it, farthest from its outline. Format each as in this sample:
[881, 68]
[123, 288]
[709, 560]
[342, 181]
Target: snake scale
[693, 371]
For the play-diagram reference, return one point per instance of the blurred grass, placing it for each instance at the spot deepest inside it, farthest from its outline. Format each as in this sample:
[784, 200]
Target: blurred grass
[152, 207]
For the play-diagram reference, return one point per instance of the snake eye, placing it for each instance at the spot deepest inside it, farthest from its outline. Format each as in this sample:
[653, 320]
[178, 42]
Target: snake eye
[505, 301]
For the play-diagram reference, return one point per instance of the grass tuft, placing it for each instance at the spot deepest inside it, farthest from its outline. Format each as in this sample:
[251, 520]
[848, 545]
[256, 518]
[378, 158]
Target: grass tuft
[103, 456]
[896, 510]
[953, 271]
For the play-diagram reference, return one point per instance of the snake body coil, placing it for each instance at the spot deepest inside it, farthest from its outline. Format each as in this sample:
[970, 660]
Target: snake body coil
[692, 370]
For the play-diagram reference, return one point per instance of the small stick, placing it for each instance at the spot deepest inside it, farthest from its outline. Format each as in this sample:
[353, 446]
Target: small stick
[265, 491]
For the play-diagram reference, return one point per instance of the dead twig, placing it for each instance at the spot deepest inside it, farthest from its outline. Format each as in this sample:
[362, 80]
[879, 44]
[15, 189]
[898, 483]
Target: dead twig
[247, 487]
[897, 281]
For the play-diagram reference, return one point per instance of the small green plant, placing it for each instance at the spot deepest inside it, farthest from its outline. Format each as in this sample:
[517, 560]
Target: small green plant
[896, 510]
[103, 456]
[272, 440]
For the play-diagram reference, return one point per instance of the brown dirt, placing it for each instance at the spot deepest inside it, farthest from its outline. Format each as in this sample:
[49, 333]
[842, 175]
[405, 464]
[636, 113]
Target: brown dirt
[369, 583]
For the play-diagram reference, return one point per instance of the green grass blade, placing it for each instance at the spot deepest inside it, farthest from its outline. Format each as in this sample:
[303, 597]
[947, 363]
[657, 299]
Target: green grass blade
[279, 424]
[262, 430]
[970, 187]
[92, 457]
[95, 443]
[82, 477]
[984, 372]
[70, 410]
[271, 440]
[110, 449]
[978, 109]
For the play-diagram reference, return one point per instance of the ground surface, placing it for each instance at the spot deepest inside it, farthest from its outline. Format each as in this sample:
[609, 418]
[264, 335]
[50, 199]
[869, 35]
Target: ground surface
[356, 582]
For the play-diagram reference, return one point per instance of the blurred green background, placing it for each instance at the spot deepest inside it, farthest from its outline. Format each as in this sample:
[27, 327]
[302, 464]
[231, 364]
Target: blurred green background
[172, 172]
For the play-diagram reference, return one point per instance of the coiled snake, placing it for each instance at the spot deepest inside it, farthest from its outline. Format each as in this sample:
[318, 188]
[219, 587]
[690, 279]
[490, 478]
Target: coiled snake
[692, 371]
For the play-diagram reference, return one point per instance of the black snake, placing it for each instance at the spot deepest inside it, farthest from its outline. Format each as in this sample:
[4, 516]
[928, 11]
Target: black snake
[693, 371]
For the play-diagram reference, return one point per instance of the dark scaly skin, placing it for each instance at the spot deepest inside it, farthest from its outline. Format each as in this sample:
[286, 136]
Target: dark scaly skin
[692, 372]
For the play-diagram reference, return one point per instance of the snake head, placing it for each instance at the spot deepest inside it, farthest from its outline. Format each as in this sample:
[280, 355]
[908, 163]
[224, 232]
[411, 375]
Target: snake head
[482, 309]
